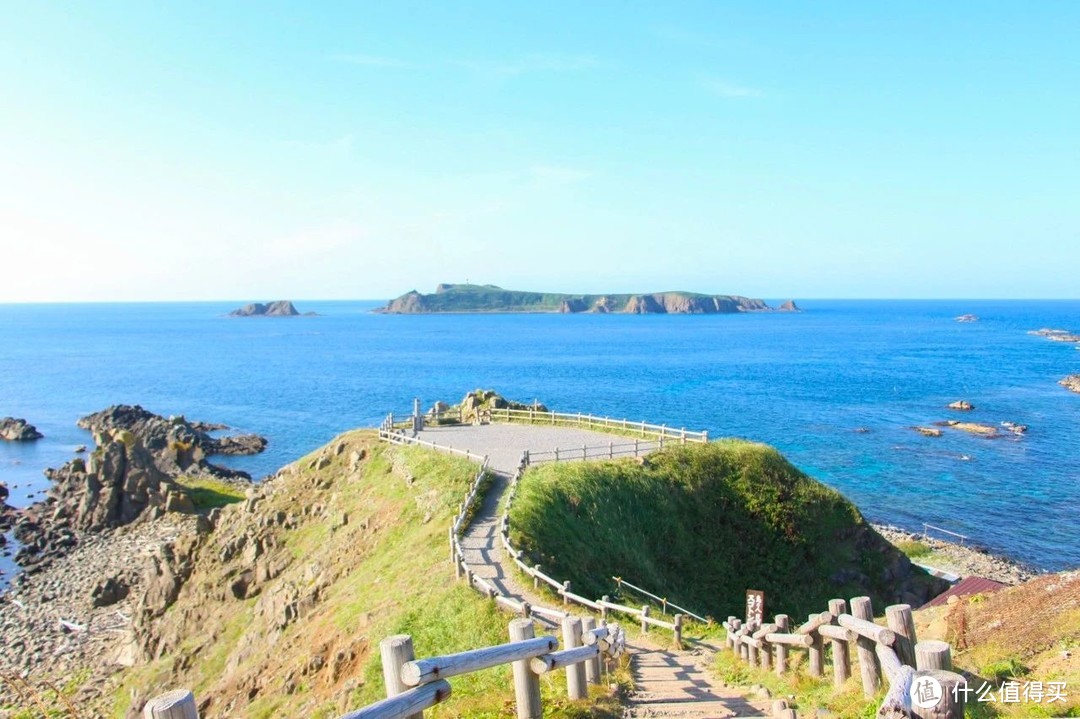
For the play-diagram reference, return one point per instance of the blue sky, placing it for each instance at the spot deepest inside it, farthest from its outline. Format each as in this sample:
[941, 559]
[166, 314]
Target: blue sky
[153, 151]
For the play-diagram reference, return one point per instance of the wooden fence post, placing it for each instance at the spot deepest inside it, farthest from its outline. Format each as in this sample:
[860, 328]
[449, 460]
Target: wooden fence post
[816, 651]
[177, 704]
[841, 655]
[783, 626]
[396, 651]
[575, 673]
[678, 631]
[869, 667]
[592, 667]
[644, 613]
[536, 579]
[951, 703]
[526, 684]
[603, 609]
[901, 621]
[565, 591]
[733, 627]
[932, 654]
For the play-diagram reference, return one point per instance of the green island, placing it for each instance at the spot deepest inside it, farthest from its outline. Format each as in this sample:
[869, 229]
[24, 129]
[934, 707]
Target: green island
[451, 298]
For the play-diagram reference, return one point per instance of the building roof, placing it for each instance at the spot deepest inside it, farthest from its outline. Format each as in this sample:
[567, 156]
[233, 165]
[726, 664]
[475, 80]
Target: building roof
[965, 588]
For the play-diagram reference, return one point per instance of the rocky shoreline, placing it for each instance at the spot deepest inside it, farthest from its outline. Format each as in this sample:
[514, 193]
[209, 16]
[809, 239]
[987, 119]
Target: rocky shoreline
[965, 560]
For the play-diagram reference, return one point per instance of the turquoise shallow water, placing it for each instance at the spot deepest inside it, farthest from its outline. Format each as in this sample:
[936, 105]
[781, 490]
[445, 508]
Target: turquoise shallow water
[802, 382]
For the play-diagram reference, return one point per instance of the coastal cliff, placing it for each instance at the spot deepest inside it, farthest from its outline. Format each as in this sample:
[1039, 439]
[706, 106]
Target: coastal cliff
[490, 298]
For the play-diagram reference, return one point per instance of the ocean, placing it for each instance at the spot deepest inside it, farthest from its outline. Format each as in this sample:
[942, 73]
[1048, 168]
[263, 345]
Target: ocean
[836, 388]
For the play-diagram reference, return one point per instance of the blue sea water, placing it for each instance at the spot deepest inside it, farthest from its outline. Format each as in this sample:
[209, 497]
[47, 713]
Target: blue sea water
[802, 382]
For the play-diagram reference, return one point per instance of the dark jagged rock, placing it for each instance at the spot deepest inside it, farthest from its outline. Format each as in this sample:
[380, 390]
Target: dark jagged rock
[18, 430]
[280, 308]
[178, 446]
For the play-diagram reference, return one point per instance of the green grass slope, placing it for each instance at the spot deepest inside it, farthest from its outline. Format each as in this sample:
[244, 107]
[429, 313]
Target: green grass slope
[701, 524]
[290, 595]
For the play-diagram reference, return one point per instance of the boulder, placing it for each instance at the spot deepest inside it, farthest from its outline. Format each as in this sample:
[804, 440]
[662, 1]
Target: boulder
[18, 430]
[962, 405]
[967, 318]
[1072, 382]
[928, 431]
[788, 306]
[109, 591]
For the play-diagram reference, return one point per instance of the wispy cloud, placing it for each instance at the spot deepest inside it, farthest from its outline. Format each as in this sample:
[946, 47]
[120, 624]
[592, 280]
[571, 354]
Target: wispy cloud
[373, 61]
[723, 88]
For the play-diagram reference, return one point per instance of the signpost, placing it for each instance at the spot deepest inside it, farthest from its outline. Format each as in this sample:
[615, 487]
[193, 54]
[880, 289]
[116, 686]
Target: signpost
[755, 608]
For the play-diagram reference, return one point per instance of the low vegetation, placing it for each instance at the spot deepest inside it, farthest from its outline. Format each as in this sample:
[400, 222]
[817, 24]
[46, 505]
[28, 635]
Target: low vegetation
[362, 543]
[700, 524]
[209, 493]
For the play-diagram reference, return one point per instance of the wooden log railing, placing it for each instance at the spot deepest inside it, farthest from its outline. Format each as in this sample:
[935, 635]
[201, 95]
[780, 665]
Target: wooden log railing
[604, 424]
[920, 682]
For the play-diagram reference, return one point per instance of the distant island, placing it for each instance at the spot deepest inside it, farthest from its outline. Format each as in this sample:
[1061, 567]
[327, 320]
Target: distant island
[489, 298]
[281, 308]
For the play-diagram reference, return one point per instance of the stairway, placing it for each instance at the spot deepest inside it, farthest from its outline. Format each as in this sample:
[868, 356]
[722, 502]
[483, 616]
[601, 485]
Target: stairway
[676, 685]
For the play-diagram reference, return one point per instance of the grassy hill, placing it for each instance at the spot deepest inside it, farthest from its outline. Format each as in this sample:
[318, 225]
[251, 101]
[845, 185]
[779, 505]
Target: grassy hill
[289, 596]
[489, 298]
[701, 524]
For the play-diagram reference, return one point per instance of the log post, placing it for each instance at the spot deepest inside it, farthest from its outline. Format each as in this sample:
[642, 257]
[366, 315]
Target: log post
[526, 684]
[644, 613]
[678, 631]
[869, 667]
[603, 609]
[903, 623]
[950, 698]
[841, 655]
[765, 655]
[751, 652]
[733, 628]
[783, 626]
[816, 651]
[564, 592]
[177, 704]
[536, 579]
[575, 673]
[396, 651]
[932, 654]
[592, 667]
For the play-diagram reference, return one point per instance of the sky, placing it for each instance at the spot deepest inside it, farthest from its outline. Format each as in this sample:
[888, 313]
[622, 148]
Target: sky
[254, 151]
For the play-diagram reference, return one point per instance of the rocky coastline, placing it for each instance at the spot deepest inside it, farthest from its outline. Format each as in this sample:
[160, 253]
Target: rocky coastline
[965, 560]
[279, 308]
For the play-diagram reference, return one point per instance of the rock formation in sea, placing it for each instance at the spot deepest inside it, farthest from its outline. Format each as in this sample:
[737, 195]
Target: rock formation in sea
[962, 404]
[1072, 382]
[788, 306]
[18, 430]
[967, 318]
[280, 308]
[130, 475]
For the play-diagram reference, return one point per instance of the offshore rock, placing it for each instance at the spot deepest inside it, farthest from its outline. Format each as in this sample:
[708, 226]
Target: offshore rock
[18, 430]
[1072, 382]
[281, 308]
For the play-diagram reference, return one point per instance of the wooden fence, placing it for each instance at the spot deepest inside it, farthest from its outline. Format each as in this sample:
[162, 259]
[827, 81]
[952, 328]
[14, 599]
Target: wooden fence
[603, 424]
[914, 670]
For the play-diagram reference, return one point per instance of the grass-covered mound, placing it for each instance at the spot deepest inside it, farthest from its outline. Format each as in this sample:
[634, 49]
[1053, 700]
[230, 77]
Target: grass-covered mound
[701, 524]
